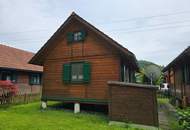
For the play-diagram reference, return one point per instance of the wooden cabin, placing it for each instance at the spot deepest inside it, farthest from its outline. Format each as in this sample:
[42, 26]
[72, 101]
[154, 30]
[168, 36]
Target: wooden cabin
[14, 66]
[177, 74]
[78, 61]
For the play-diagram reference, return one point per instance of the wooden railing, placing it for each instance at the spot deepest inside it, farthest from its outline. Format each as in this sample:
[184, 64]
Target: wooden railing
[5, 96]
[24, 95]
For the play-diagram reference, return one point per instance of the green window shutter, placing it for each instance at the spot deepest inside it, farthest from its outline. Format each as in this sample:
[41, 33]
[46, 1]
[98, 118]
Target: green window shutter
[31, 79]
[66, 73]
[83, 34]
[70, 37]
[86, 72]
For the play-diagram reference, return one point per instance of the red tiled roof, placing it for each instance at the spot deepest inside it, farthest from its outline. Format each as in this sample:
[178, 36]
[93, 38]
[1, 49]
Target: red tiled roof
[14, 58]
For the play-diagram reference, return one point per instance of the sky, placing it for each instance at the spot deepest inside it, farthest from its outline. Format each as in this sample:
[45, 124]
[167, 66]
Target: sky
[154, 30]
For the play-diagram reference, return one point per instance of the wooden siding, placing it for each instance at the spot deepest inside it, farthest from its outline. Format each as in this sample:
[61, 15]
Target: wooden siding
[133, 103]
[24, 86]
[104, 60]
[178, 88]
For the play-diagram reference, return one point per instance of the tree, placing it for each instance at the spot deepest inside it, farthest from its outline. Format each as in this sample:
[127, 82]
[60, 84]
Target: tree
[150, 73]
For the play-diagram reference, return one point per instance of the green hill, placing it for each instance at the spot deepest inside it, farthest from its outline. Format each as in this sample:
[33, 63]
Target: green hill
[148, 67]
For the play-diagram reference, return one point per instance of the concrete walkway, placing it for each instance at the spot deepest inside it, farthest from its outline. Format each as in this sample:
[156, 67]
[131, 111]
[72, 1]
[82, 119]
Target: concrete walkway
[164, 112]
[163, 119]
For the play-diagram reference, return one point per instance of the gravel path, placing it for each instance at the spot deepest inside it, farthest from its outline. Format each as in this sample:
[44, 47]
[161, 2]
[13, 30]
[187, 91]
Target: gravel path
[163, 119]
[164, 111]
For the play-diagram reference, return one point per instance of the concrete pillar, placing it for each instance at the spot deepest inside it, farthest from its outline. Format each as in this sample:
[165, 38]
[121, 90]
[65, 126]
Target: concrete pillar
[44, 104]
[77, 107]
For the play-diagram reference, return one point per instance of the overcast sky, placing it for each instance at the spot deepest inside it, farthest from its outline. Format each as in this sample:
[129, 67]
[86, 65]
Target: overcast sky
[154, 30]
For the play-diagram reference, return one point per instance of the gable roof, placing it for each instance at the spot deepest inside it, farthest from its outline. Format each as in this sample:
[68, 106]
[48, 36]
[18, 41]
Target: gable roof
[39, 58]
[13, 58]
[179, 58]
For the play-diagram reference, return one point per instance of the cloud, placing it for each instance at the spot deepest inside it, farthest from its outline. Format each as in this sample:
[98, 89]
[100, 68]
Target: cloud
[160, 38]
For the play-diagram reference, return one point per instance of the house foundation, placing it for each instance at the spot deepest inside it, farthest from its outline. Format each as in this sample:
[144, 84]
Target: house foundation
[44, 104]
[76, 107]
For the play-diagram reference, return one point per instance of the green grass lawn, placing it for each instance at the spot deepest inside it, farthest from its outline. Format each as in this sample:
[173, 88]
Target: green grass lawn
[30, 117]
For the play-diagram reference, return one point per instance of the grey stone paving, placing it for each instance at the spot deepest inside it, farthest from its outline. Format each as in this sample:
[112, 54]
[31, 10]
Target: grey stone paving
[163, 120]
[163, 111]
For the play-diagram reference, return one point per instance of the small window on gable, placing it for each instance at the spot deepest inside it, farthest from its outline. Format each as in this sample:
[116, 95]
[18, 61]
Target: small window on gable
[76, 36]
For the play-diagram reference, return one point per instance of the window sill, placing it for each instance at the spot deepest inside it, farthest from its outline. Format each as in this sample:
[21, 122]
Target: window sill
[35, 84]
[77, 82]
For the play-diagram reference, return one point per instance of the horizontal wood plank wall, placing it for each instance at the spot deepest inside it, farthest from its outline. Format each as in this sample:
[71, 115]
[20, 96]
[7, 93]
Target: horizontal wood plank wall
[182, 89]
[133, 104]
[187, 93]
[179, 85]
[104, 61]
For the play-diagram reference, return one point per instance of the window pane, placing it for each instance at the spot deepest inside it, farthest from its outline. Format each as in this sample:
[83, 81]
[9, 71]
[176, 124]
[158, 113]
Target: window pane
[77, 72]
[80, 77]
[77, 36]
[8, 77]
[35, 79]
[74, 77]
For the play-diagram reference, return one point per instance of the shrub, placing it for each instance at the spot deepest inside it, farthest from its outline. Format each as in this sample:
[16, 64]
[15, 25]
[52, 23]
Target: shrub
[173, 101]
[9, 87]
[184, 118]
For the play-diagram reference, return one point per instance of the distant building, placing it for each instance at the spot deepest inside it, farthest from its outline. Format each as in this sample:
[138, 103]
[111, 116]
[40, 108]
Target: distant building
[177, 74]
[14, 66]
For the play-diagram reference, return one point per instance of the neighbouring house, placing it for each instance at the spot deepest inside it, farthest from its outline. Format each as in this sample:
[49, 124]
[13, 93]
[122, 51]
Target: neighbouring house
[78, 62]
[14, 66]
[177, 74]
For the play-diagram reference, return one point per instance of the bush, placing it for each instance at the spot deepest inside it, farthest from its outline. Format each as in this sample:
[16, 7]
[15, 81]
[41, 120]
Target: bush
[9, 87]
[184, 118]
[163, 94]
[172, 101]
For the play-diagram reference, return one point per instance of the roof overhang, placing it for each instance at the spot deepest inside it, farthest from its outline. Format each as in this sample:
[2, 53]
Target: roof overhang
[21, 70]
[180, 58]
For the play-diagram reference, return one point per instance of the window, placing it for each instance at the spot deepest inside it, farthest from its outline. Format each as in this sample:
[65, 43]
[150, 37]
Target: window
[186, 74]
[35, 79]
[127, 75]
[76, 72]
[7, 75]
[76, 36]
